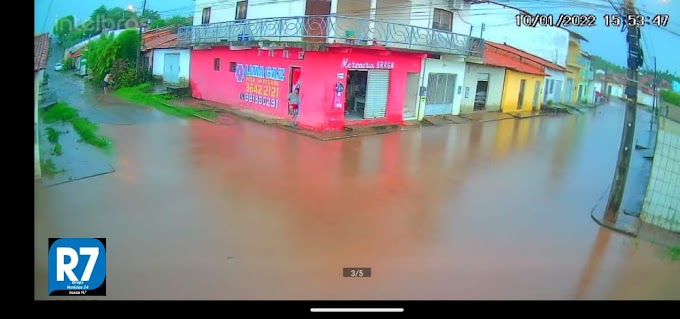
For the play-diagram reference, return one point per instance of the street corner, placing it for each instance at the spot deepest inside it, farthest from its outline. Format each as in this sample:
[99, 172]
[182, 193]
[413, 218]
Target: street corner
[64, 157]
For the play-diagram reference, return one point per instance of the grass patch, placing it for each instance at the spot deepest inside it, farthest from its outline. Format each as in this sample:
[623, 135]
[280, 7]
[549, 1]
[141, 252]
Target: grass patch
[57, 151]
[60, 112]
[52, 135]
[671, 97]
[139, 95]
[47, 167]
[675, 253]
[88, 131]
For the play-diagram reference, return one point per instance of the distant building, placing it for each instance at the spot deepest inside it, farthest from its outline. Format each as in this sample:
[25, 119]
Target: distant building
[676, 86]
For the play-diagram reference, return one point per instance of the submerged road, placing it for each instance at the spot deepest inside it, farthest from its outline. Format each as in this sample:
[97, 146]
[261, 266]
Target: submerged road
[496, 210]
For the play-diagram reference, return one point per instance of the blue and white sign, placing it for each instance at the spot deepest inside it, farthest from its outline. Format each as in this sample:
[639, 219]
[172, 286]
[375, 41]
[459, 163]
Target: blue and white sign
[76, 266]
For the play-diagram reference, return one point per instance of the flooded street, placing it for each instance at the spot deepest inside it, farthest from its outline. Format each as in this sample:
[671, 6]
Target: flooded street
[495, 210]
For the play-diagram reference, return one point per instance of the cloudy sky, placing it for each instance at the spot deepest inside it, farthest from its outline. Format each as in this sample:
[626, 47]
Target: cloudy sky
[607, 42]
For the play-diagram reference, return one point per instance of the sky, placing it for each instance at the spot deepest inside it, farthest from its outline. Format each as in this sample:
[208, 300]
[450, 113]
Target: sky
[607, 42]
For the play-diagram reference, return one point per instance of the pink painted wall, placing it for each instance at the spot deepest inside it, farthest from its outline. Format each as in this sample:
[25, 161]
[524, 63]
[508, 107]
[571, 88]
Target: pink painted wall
[319, 77]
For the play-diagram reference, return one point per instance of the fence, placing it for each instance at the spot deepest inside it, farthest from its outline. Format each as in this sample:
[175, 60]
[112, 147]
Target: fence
[661, 206]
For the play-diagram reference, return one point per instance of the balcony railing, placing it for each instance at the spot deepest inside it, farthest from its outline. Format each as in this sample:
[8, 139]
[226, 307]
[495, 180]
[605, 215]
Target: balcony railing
[332, 29]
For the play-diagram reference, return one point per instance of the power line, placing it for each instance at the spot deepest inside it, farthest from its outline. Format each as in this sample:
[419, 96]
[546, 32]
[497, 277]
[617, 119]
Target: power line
[47, 16]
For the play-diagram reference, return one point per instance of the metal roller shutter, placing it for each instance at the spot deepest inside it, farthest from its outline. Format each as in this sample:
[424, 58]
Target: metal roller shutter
[378, 85]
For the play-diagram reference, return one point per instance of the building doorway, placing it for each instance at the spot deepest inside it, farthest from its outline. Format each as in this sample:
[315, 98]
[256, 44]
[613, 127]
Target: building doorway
[440, 93]
[481, 93]
[315, 24]
[520, 98]
[359, 105]
[537, 94]
[580, 94]
[295, 73]
[411, 101]
[569, 89]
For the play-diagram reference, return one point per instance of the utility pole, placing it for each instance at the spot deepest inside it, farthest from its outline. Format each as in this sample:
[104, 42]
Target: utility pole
[141, 45]
[653, 115]
[635, 59]
[606, 89]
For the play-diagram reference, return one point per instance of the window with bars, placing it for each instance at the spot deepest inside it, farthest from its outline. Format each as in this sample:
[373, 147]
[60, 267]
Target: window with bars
[441, 88]
[442, 20]
[216, 64]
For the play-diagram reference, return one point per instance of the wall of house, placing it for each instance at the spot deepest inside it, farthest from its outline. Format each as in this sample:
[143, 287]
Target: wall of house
[37, 81]
[661, 205]
[447, 64]
[546, 42]
[184, 62]
[320, 72]
[573, 98]
[593, 87]
[511, 91]
[574, 59]
[645, 99]
[617, 90]
[494, 92]
[422, 12]
[225, 10]
[556, 75]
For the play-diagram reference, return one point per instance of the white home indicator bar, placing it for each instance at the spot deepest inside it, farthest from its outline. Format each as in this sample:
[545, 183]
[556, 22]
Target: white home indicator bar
[357, 309]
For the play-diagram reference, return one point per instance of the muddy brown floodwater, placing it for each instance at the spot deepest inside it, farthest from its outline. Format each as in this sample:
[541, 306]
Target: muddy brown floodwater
[496, 210]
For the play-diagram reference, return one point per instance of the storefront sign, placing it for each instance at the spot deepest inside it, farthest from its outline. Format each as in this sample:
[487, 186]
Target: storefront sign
[347, 64]
[262, 84]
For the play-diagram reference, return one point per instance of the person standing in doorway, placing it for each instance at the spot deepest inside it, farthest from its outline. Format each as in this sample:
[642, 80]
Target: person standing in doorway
[108, 81]
[293, 102]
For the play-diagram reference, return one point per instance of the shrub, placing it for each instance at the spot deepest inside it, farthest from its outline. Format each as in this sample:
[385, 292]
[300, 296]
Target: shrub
[670, 97]
[68, 63]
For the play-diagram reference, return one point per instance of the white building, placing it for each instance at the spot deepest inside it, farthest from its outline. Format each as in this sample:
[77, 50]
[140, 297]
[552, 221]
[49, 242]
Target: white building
[163, 58]
[497, 22]
[438, 28]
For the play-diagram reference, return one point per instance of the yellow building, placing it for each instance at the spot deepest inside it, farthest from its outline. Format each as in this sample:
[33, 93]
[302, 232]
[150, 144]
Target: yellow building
[523, 77]
[573, 67]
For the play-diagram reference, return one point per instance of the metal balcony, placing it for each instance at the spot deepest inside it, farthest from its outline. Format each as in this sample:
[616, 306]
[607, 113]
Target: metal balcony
[332, 29]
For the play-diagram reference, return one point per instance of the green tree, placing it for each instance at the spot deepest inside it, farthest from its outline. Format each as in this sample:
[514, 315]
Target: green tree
[101, 54]
[176, 20]
[63, 27]
[151, 15]
[128, 45]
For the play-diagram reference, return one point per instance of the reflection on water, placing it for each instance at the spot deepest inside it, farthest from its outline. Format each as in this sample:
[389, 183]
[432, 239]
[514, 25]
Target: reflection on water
[248, 211]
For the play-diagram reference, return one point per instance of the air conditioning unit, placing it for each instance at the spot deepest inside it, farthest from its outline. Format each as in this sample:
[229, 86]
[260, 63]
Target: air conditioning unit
[456, 4]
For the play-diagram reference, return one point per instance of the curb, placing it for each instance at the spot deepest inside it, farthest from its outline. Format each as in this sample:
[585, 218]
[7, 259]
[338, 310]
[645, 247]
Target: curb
[625, 224]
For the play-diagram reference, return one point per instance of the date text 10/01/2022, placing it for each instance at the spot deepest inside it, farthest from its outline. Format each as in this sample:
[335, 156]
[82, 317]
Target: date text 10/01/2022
[589, 20]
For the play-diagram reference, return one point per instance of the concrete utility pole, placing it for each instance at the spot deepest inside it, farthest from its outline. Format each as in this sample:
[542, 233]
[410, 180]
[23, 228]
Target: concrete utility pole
[654, 83]
[606, 89]
[141, 45]
[635, 59]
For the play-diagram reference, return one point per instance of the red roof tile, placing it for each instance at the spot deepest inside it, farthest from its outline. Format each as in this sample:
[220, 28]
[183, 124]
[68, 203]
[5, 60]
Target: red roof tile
[492, 57]
[41, 46]
[162, 42]
[525, 55]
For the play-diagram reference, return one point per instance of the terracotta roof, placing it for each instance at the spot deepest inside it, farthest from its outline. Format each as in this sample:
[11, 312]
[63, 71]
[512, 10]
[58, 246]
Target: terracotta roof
[491, 57]
[162, 42]
[526, 55]
[41, 46]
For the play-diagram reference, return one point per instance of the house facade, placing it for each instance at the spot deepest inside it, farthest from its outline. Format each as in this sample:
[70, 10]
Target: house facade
[410, 54]
[509, 80]
[41, 49]
[586, 87]
[492, 21]
[574, 58]
[161, 56]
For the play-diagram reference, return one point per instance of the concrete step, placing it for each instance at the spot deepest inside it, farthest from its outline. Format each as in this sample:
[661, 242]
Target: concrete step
[373, 128]
[436, 120]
